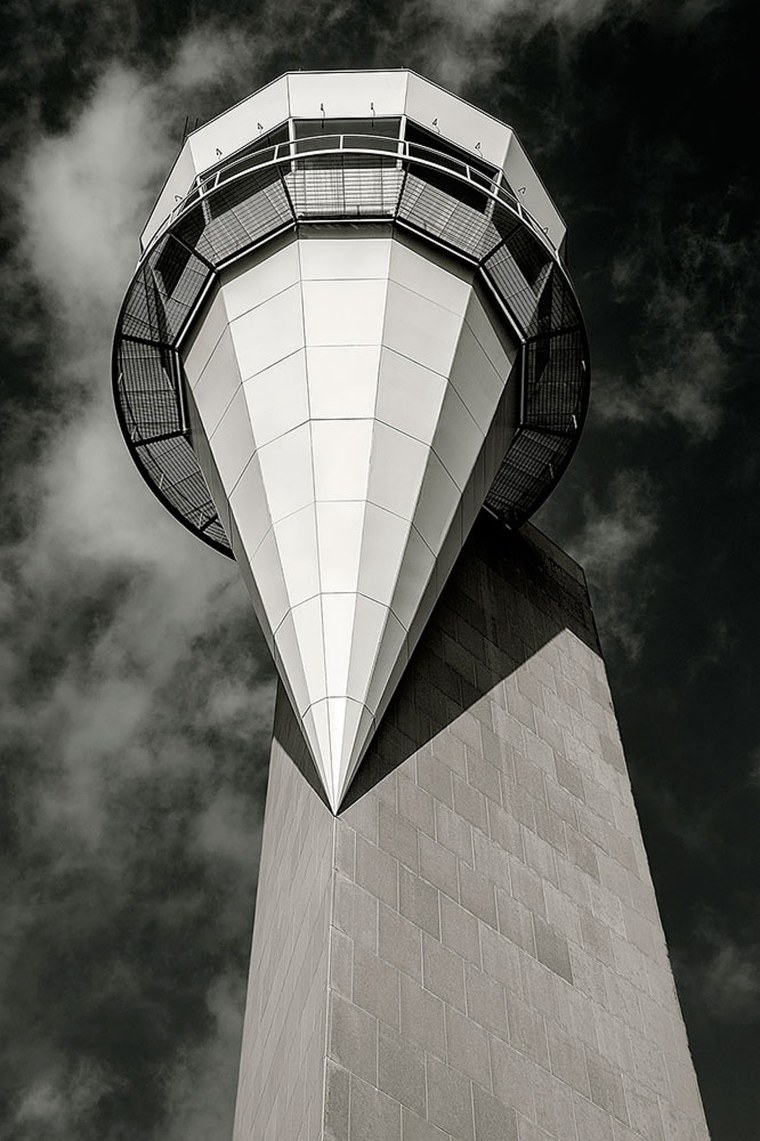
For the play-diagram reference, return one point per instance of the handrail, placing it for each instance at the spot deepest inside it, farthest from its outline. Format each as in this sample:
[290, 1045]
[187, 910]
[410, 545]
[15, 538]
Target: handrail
[287, 152]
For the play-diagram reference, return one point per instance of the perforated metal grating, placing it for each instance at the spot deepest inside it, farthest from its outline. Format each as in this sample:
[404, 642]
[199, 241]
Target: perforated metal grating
[246, 202]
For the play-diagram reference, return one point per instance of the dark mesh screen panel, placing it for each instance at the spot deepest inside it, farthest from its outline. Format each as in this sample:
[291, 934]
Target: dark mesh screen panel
[147, 392]
[554, 382]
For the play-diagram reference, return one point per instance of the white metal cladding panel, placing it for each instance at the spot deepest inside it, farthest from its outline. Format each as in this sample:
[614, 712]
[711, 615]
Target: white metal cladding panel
[349, 723]
[287, 472]
[344, 312]
[340, 527]
[383, 541]
[290, 664]
[270, 580]
[476, 380]
[447, 285]
[535, 199]
[240, 125]
[457, 438]
[347, 94]
[342, 380]
[277, 398]
[418, 328]
[409, 396]
[397, 468]
[232, 441]
[330, 259]
[417, 567]
[341, 451]
[370, 622]
[250, 508]
[437, 503]
[218, 383]
[458, 121]
[207, 331]
[296, 540]
[500, 347]
[391, 645]
[252, 281]
[309, 627]
[339, 613]
[268, 333]
[318, 735]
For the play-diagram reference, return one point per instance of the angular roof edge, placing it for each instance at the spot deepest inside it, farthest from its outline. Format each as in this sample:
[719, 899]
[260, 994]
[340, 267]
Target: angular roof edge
[406, 93]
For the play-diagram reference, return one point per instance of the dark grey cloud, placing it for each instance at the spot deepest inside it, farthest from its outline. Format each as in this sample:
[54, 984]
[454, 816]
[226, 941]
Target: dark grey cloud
[135, 692]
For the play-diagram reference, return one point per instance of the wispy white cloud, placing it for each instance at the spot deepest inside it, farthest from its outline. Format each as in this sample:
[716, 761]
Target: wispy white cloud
[130, 664]
[459, 46]
[611, 545]
[203, 1084]
[681, 369]
[725, 977]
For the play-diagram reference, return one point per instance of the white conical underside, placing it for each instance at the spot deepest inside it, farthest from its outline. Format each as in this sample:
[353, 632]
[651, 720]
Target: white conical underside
[350, 408]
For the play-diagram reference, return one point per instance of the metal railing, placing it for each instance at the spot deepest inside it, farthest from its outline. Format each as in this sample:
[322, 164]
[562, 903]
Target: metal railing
[299, 151]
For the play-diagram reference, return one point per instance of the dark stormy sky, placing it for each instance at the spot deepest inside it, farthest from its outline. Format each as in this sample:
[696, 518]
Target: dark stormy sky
[135, 689]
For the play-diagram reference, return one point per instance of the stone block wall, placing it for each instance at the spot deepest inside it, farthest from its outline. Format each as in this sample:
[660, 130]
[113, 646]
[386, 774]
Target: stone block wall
[471, 950]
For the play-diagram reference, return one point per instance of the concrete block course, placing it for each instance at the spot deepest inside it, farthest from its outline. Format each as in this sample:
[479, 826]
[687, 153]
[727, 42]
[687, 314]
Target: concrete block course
[471, 950]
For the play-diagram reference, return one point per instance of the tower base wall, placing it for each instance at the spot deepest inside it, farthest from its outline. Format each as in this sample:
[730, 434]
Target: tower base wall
[471, 950]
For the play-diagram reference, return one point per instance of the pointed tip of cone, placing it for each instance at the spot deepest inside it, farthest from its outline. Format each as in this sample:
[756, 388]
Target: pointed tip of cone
[337, 730]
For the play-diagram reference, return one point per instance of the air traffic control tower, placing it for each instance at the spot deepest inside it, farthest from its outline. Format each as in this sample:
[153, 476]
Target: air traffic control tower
[352, 359]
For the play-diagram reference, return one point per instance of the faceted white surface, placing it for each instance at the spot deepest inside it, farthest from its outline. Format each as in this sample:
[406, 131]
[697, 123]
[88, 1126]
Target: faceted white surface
[250, 506]
[341, 529]
[237, 126]
[268, 333]
[218, 382]
[344, 311]
[331, 259]
[418, 327]
[383, 541]
[457, 437]
[448, 286]
[277, 398]
[244, 290]
[296, 541]
[207, 334]
[340, 452]
[500, 353]
[417, 566]
[345, 93]
[475, 379]
[396, 470]
[233, 440]
[409, 396]
[454, 119]
[354, 456]
[310, 635]
[342, 380]
[287, 472]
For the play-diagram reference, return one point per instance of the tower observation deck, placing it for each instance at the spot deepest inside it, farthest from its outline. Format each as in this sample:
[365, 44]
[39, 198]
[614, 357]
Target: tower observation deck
[350, 327]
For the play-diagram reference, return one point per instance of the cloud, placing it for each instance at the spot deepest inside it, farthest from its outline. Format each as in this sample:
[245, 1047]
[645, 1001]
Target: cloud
[725, 979]
[682, 375]
[204, 1083]
[611, 544]
[136, 691]
[459, 41]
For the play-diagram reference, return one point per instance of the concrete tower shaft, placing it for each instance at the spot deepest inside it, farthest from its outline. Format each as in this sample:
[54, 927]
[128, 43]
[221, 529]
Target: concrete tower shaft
[351, 330]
